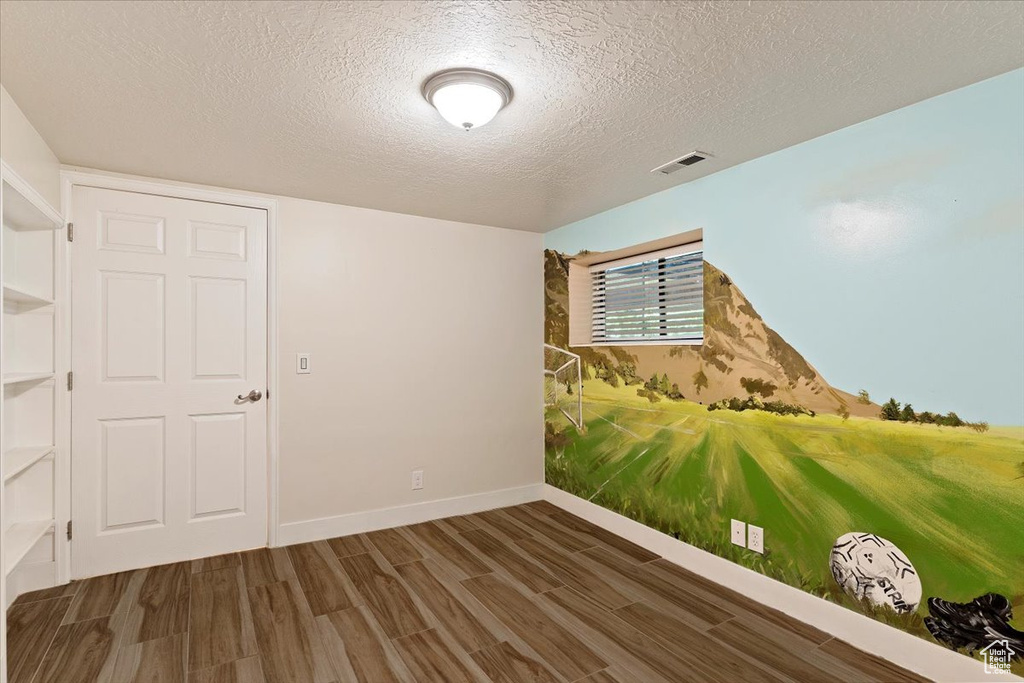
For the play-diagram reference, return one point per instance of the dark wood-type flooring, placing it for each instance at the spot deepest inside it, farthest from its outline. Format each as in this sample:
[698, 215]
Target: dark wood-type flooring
[528, 593]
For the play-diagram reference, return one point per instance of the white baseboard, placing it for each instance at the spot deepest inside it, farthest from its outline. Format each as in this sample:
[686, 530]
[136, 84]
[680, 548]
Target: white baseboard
[385, 518]
[928, 659]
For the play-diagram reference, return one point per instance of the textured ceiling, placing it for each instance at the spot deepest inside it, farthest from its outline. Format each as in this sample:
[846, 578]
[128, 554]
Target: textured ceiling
[322, 100]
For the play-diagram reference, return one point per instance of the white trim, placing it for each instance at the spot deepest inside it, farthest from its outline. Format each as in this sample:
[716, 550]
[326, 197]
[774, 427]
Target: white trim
[112, 181]
[273, 383]
[646, 342]
[11, 177]
[62, 399]
[911, 652]
[386, 518]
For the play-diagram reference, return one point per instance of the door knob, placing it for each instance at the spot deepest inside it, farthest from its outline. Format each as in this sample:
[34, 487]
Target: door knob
[253, 396]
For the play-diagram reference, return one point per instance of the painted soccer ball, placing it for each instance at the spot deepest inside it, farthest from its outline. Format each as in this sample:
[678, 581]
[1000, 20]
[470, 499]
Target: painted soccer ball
[869, 567]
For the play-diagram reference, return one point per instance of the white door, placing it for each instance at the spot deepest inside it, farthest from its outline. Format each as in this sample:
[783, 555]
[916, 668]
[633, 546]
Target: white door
[169, 329]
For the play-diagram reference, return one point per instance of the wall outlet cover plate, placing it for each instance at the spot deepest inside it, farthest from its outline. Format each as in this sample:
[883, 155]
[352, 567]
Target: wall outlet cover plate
[755, 538]
[739, 533]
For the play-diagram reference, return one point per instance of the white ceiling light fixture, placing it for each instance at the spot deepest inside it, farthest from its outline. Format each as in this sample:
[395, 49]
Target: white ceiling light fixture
[467, 98]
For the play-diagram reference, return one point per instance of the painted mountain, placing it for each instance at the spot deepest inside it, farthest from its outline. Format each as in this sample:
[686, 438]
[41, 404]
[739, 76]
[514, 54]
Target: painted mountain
[741, 355]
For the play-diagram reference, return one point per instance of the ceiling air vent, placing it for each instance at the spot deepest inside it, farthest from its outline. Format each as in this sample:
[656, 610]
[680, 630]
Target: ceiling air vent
[683, 161]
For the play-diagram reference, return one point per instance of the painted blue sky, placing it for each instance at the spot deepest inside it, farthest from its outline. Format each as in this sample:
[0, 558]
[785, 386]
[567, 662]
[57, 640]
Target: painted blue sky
[890, 253]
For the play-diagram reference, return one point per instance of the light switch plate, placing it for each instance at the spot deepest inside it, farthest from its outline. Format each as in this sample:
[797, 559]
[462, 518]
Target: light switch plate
[739, 533]
[302, 362]
[755, 538]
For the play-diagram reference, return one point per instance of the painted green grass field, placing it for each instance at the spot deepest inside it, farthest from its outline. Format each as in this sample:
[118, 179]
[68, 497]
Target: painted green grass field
[951, 499]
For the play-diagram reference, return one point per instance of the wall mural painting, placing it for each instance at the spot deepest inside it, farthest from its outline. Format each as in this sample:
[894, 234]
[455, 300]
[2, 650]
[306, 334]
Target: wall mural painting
[914, 518]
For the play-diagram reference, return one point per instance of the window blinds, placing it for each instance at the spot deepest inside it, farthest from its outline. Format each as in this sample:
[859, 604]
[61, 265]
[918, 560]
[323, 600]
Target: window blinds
[653, 298]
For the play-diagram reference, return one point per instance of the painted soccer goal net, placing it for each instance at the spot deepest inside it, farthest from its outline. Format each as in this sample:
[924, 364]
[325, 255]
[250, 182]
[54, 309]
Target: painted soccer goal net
[563, 383]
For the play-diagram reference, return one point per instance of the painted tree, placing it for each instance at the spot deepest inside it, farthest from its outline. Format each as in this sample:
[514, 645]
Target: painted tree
[628, 372]
[907, 414]
[700, 380]
[863, 397]
[950, 419]
[756, 385]
[890, 410]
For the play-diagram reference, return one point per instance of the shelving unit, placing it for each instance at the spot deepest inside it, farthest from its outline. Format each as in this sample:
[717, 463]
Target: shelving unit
[20, 297]
[29, 407]
[19, 377]
[19, 539]
[17, 460]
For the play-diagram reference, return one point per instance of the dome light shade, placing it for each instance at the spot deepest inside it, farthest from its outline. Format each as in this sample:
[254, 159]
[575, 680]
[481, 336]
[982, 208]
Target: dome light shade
[467, 98]
[467, 105]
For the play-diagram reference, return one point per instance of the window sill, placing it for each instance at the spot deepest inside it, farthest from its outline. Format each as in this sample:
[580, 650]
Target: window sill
[652, 342]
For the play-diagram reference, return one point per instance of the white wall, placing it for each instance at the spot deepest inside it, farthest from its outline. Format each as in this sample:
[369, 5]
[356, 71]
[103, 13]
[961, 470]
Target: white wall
[426, 342]
[23, 148]
[426, 353]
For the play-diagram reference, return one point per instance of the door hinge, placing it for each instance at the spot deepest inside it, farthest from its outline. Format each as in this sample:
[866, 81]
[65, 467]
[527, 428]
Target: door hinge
[69, 529]
[71, 380]
[71, 232]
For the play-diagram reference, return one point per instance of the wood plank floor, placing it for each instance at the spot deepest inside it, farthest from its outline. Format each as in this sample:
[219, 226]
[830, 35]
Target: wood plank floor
[528, 594]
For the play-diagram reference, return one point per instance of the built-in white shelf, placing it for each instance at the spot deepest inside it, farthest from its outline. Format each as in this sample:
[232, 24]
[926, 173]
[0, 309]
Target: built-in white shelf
[29, 407]
[17, 460]
[19, 377]
[23, 297]
[19, 539]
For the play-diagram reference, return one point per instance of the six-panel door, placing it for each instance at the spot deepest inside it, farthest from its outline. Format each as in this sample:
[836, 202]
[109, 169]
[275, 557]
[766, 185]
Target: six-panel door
[169, 327]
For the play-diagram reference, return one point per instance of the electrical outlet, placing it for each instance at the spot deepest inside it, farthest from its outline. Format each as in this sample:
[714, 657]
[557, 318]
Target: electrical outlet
[417, 480]
[755, 538]
[739, 533]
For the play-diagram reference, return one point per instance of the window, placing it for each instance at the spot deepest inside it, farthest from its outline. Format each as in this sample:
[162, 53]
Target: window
[651, 297]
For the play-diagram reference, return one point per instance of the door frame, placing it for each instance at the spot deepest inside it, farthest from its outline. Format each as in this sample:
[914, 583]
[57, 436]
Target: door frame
[70, 177]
